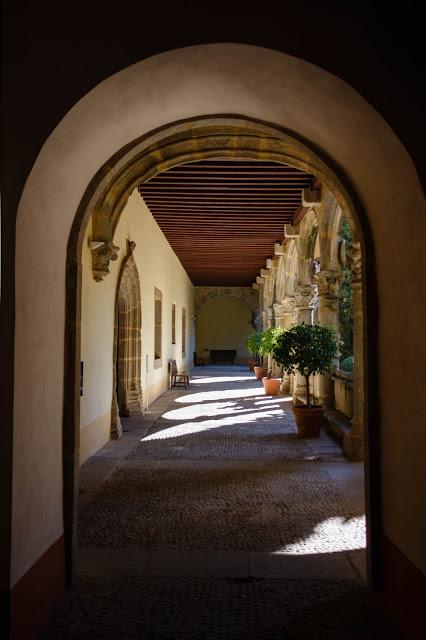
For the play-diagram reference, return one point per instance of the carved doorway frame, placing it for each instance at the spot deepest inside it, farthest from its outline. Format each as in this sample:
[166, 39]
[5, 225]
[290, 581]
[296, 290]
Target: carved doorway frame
[127, 352]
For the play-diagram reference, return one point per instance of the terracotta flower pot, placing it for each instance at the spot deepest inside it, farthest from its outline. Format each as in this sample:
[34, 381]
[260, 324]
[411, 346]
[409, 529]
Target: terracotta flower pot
[252, 364]
[260, 372]
[309, 420]
[271, 386]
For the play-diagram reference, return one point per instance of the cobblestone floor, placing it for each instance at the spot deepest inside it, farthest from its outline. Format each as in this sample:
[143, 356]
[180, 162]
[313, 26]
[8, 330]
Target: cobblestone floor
[212, 519]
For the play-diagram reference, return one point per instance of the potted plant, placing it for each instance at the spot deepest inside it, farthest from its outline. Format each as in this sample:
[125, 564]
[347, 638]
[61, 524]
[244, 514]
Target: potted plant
[307, 349]
[253, 345]
[270, 384]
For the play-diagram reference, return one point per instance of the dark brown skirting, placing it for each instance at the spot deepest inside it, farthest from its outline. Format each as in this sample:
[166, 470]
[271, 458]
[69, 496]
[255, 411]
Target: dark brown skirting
[404, 592]
[37, 592]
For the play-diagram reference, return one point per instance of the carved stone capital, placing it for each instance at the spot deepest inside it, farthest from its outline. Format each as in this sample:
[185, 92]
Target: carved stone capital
[353, 255]
[278, 310]
[329, 282]
[102, 254]
[288, 304]
[306, 296]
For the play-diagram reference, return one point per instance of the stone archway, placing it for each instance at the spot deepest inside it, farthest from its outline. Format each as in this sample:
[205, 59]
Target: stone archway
[220, 136]
[127, 388]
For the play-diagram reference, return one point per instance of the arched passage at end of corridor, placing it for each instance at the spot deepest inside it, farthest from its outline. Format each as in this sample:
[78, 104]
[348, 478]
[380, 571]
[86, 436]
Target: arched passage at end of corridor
[223, 323]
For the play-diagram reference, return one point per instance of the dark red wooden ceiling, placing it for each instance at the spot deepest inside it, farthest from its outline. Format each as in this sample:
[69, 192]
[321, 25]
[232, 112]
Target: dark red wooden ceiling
[223, 217]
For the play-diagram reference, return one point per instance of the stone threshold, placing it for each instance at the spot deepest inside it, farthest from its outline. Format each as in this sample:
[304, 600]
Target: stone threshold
[241, 565]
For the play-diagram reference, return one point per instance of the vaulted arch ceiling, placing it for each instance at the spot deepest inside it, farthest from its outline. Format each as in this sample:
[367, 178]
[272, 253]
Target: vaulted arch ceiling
[222, 217]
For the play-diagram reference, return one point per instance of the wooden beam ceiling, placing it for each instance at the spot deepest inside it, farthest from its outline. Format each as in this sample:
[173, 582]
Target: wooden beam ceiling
[223, 217]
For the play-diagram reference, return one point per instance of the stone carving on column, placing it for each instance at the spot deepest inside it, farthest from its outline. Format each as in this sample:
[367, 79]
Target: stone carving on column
[102, 254]
[305, 300]
[278, 313]
[329, 282]
[353, 257]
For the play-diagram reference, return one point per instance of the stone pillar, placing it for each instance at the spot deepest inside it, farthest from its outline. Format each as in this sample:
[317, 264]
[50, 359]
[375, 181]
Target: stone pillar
[353, 443]
[305, 300]
[278, 322]
[269, 324]
[328, 281]
[284, 317]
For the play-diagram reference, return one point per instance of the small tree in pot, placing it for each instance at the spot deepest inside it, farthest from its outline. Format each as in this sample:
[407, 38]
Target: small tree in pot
[253, 346]
[307, 349]
[267, 343]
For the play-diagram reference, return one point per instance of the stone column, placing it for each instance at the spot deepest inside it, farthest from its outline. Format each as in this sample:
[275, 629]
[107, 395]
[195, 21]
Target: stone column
[284, 317]
[328, 281]
[278, 322]
[269, 324]
[305, 300]
[353, 443]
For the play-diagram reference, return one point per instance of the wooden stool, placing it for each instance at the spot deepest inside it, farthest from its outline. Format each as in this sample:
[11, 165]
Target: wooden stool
[178, 378]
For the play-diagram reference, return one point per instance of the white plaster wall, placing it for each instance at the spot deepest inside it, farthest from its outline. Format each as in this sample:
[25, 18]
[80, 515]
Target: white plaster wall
[208, 79]
[158, 266]
[224, 323]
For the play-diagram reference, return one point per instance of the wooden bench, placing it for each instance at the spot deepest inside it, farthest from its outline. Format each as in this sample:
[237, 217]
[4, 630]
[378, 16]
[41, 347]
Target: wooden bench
[223, 355]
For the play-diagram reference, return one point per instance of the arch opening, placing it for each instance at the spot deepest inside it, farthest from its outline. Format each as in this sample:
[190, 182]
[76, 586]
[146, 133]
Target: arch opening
[187, 141]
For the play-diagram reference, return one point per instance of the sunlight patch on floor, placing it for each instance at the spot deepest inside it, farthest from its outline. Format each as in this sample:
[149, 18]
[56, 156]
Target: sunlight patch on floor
[222, 394]
[273, 400]
[213, 380]
[187, 428]
[331, 535]
[193, 411]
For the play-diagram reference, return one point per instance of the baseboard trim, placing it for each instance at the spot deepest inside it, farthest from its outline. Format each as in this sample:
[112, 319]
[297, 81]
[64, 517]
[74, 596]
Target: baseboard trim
[37, 592]
[404, 591]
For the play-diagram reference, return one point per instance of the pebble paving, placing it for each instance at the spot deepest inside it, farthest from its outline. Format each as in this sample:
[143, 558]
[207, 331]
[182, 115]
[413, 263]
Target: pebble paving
[212, 519]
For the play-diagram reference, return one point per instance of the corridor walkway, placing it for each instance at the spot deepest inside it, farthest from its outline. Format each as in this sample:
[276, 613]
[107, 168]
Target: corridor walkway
[212, 519]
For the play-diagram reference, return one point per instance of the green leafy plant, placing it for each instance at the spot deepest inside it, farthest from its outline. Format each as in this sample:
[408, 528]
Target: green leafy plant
[267, 343]
[307, 349]
[268, 339]
[253, 343]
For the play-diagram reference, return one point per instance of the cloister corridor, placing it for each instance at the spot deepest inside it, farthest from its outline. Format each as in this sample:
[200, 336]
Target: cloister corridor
[211, 518]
